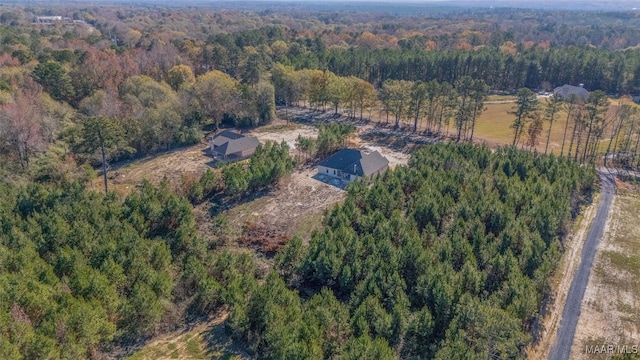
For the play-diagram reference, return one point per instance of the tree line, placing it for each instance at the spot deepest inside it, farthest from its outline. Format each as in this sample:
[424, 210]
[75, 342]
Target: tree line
[506, 65]
[154, 95]
[590, 123]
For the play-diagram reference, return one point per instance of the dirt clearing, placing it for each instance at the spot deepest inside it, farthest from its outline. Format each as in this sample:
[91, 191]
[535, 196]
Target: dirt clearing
[296, 207]
[281, 131]
[395, 145]
[188, 161]
[207, 340]
[610, 311]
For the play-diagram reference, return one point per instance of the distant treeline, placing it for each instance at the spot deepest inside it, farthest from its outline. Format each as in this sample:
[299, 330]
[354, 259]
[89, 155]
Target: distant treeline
[508, 66]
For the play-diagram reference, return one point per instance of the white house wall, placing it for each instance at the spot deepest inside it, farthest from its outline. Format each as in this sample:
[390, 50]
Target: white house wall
[328, 171]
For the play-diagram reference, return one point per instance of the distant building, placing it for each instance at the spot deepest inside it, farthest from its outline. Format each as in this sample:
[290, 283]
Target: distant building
[349, 165]
[565, 91]
[229, 145]
[48, 19]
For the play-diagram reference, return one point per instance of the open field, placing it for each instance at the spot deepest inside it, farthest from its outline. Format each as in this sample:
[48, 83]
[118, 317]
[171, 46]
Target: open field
[492, 98]
[189, 161]
[207, 340]
[610, 311]
[494, 127]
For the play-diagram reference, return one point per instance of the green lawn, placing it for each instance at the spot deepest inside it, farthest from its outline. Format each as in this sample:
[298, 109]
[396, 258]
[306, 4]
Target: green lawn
[494, 126]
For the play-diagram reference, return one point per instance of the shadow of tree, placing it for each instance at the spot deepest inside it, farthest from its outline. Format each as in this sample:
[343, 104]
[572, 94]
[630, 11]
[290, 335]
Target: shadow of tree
[221, 344]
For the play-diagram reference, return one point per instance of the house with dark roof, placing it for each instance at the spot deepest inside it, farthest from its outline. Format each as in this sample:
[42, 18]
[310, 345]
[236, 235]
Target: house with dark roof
[229, 145]
[349, 165]
[565, 91]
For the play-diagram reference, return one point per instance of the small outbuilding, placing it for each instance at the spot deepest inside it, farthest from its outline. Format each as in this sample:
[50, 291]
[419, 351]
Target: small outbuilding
[565, 91]
[349, 165]
[231, 146]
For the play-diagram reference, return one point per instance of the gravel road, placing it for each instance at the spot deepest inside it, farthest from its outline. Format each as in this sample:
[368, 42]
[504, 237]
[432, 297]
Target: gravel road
[571, 311]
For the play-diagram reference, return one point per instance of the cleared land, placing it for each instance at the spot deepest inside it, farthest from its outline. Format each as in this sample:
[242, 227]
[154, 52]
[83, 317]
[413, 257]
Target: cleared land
[295, 207]
[205, 341]
[189, 161]
[610, 311]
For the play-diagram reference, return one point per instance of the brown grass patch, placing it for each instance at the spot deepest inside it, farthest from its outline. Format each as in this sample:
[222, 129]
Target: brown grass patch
[263, 239]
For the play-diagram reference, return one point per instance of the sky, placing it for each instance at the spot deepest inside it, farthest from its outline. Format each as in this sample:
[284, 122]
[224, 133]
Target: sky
[564, 4]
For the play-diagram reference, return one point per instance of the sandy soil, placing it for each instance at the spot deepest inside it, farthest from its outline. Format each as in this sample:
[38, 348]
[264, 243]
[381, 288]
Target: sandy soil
[295, 207]
[298, 204]
[610, 311]
[206, 340]
[189, 161]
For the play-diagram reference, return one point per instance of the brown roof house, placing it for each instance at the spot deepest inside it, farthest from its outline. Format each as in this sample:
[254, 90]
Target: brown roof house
[349, 165]
[232, 146]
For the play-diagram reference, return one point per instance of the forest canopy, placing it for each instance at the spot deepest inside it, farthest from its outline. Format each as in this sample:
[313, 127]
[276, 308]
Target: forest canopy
[448, 258]
[450, 255]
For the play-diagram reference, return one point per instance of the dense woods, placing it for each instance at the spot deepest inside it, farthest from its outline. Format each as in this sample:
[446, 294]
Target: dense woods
[80, 269]
[449, 257]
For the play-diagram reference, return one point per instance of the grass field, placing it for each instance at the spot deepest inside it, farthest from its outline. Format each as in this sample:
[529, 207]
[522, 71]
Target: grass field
[494, 126]
[501, 98]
